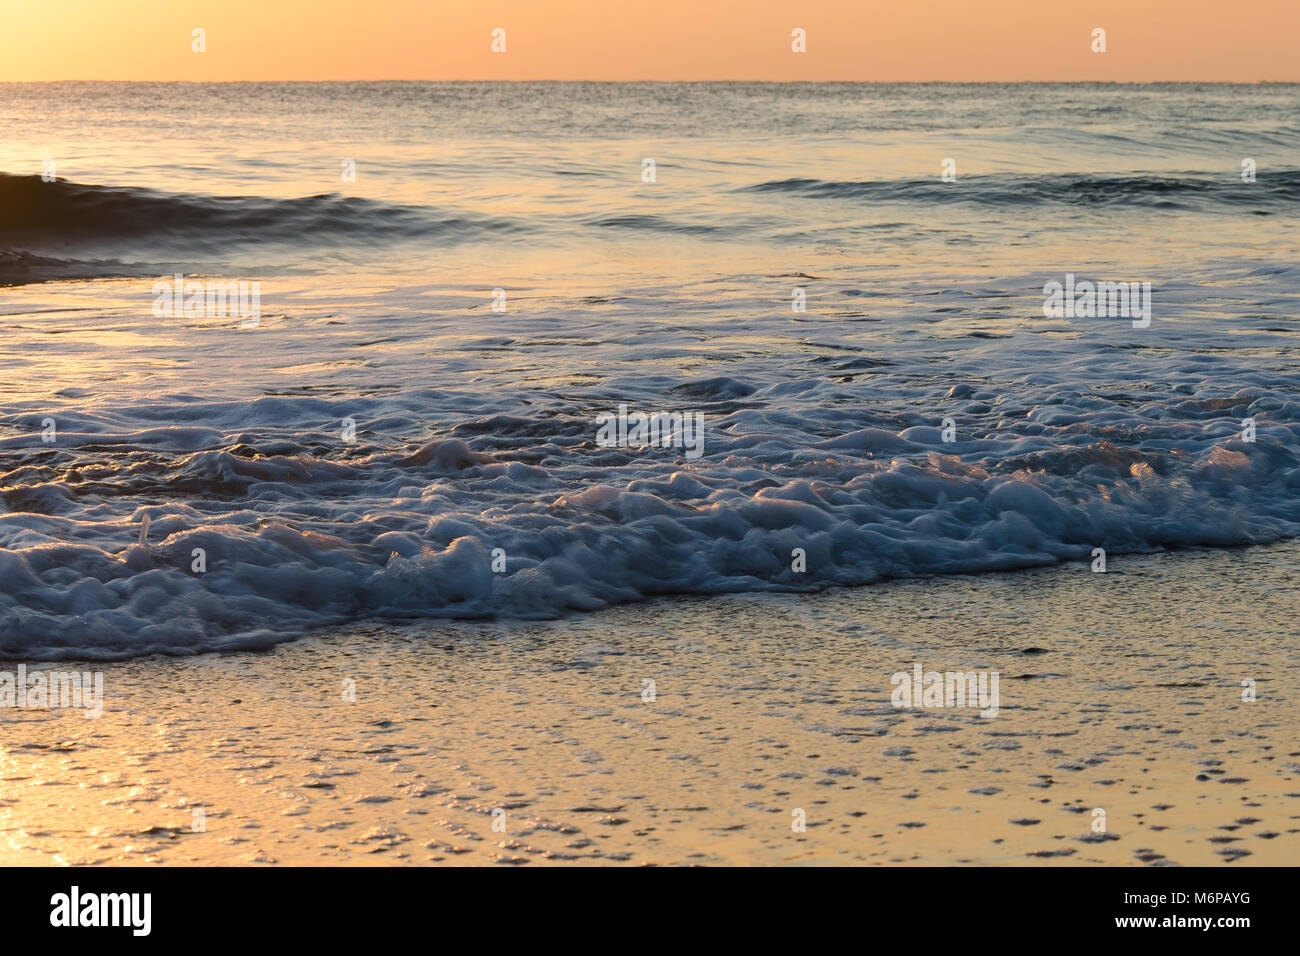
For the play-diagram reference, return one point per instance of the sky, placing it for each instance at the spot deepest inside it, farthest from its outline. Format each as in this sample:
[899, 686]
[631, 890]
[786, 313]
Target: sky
[862, 40]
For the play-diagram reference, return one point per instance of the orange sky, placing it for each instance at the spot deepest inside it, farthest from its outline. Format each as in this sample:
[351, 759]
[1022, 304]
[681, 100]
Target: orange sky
[881, 40]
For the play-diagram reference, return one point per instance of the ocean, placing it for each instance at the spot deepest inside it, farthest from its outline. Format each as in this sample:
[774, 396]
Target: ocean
[845, 285]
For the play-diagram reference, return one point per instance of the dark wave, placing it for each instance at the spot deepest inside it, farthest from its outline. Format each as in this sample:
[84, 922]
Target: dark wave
[37, 216]
[644, 223]
[1272, 190]
[20, 268]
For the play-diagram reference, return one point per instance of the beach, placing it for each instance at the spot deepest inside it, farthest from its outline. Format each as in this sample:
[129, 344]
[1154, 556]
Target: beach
[544, 473]
[1119, 691]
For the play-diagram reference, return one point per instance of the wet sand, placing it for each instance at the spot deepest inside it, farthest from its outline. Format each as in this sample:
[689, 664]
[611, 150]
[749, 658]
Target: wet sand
[1119, 691]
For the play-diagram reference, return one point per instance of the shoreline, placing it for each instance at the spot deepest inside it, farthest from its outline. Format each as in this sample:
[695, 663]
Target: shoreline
[1126, 699]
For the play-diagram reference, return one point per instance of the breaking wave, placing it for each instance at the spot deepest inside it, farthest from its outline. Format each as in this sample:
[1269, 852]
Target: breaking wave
[39, 218]
[299, 534]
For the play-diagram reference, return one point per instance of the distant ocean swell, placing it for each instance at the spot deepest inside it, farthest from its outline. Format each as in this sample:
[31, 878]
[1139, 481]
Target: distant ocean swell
[1277, 192]
[41, 222]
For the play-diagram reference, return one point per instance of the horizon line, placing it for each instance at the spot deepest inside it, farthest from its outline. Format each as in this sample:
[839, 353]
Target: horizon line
[1294, 82]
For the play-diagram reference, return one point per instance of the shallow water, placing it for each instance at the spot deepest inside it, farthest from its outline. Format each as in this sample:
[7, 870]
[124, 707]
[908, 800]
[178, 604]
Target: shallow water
[476, 430]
